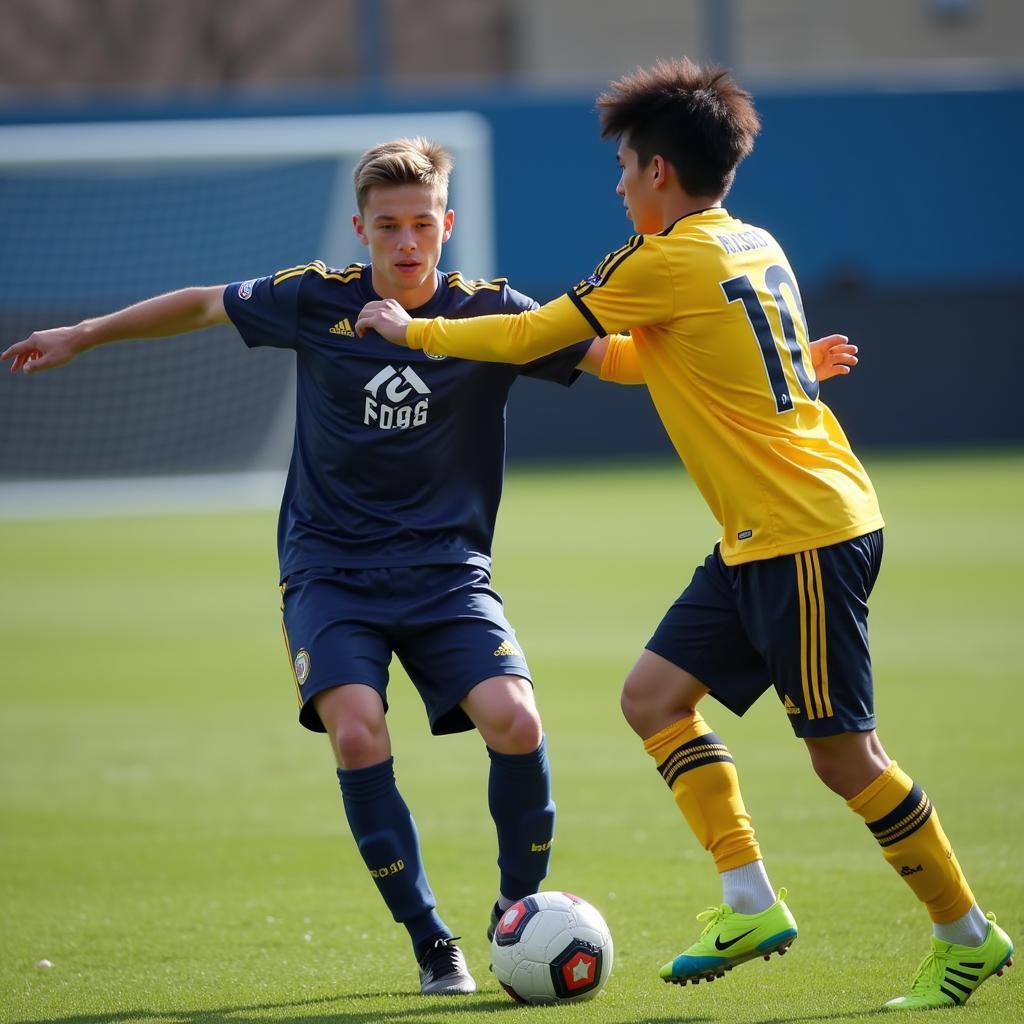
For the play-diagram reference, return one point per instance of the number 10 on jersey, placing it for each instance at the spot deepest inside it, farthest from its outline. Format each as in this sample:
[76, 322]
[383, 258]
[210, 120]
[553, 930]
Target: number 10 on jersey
[741, 289]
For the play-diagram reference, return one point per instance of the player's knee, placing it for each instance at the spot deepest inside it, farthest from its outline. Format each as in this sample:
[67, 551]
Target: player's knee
[505, 714]
[847, 764]
[517, 731]
[831, 771]
[649, 709]
[633, 708]
[843, 780]
[359, 742]
[657, 693]
[353, 718]
[643, 710]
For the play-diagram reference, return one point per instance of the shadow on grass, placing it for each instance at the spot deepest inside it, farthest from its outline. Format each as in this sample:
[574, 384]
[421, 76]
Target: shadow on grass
[438, 1006]
[711, 1017]
[876, 1011]
[674, 1019]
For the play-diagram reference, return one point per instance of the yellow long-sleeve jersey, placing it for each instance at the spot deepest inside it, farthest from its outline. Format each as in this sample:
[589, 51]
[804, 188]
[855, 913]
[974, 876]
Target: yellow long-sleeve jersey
[717, 329]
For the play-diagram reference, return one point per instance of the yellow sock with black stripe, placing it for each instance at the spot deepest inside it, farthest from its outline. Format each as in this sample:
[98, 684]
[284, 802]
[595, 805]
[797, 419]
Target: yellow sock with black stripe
[701, 773]
[907, 827]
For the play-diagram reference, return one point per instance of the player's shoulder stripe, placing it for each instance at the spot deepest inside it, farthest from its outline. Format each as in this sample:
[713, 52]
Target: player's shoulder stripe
[353, 272]
[283, 275]
[623, 254]
[609, 265]
[472, 286]
[631, 245]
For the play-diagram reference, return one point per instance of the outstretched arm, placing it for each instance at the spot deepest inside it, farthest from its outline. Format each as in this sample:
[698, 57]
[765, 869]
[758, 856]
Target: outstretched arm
[497, 338]
[162, 316]
[640, 292]
[516, 339]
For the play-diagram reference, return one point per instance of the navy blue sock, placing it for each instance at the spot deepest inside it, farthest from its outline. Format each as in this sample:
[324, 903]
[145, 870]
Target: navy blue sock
[389, 844]
[519, 797]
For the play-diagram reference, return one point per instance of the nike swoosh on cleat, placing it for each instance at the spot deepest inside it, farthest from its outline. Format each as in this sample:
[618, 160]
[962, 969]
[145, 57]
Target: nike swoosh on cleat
[719, 944]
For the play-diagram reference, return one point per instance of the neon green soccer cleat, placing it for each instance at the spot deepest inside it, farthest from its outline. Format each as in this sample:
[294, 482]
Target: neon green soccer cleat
[729, 939]
[949, 974]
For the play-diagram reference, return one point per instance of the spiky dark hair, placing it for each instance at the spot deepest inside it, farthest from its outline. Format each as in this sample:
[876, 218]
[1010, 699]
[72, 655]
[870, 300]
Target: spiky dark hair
[695, 116]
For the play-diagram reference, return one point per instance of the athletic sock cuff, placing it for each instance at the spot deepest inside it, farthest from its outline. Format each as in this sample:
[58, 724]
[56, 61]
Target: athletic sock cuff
[882, 796]
[673, 736]
[365, 784]
[526, 762]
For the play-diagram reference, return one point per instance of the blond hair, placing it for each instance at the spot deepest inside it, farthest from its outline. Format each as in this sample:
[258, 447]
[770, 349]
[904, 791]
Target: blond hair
[417, 161]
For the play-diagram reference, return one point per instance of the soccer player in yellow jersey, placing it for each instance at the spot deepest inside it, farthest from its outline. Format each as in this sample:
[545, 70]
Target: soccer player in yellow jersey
[717, 332]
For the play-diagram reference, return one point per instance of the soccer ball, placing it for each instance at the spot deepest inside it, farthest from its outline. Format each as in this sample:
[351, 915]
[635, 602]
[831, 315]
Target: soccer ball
[551, 947]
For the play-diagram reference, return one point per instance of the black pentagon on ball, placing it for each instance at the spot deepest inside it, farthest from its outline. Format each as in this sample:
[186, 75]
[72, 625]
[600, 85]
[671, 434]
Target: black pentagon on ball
[577, 969]
[509, 936]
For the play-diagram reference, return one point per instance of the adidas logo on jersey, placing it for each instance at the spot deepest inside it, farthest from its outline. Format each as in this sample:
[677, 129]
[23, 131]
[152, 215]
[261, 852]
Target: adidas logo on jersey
[343, 327]
[791, 708]
[507, 650]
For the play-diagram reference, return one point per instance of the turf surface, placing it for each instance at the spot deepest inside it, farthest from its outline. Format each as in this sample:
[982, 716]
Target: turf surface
[174, 843]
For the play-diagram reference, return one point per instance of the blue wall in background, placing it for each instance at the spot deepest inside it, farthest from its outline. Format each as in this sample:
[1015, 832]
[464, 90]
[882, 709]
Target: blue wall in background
[900, 211]
[884, 188]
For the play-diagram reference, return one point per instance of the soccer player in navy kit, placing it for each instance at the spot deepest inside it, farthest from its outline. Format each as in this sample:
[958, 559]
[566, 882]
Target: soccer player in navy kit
[386, 522]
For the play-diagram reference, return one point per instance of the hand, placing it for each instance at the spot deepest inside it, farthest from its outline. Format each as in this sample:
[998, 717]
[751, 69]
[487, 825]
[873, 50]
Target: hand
[833, 356]
[44, 350]
[387, 317]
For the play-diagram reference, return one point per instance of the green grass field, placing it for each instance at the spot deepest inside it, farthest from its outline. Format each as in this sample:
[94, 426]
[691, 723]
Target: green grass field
[174, 843]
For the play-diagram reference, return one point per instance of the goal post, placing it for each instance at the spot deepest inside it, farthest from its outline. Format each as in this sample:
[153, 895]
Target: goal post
[99, 215]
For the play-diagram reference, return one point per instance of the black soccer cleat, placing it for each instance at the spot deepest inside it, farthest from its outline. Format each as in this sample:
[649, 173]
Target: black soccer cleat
[493, 924]
[443, 970]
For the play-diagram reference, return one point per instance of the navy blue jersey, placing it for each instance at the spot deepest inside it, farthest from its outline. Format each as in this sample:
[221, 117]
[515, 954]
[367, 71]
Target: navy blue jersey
[399, 456]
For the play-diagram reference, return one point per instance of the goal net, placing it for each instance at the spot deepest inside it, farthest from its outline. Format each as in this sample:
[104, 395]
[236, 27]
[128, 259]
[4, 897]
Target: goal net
[97, 216]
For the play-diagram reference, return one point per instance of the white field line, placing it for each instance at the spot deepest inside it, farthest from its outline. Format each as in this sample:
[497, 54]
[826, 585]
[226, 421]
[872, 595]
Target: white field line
[71, 499]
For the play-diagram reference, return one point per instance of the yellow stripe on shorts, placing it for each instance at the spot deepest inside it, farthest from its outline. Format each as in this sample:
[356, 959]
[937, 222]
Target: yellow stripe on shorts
[288, 650]
[813, 642]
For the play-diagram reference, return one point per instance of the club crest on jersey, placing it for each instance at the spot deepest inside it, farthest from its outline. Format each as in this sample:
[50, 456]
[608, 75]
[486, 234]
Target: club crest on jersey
[595, 280]
[302, 665]
[245, 288]
[396, 400]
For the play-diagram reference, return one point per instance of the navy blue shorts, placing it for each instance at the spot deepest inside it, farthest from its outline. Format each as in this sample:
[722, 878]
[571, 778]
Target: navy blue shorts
[799, 622]
[444, 622]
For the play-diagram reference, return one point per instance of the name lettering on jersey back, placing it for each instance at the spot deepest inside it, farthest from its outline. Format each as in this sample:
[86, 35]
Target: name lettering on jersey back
[395, 400]
[743, 241]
